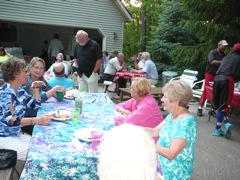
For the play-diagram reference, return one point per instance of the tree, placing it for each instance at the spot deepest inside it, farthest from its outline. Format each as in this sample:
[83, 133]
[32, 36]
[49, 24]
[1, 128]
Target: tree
[168, 33]
[213, 20]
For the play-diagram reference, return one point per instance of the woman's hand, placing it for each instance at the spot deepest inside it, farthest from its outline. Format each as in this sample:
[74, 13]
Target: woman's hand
[56, 88]
[44, 119]
[124, 111]
[36, 84]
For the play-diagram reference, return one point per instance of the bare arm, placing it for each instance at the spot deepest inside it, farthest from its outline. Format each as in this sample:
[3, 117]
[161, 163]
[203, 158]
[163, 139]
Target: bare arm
[52, 92]
[43, 120]
[176, 147]
[35, 86]
[216, 62]
[97, 65]
[123, 111]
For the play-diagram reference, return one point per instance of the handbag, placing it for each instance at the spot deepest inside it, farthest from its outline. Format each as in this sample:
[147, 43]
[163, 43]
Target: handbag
[8, 158]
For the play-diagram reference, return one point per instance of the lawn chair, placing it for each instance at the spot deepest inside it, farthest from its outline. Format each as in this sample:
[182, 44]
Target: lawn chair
[188, 76]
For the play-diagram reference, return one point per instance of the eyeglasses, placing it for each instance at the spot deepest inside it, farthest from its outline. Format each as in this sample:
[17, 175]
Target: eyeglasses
[38, 68]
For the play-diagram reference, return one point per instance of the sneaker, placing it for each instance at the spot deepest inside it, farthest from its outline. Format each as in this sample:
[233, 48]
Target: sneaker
[218, 132]
[199, 112]
[229, 128]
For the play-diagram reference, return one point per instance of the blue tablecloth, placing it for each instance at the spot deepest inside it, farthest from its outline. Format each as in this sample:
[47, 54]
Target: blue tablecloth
[51, 152]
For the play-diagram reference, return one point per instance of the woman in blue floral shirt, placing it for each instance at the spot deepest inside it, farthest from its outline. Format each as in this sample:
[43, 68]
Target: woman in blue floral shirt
[177, 133]
[13, 100]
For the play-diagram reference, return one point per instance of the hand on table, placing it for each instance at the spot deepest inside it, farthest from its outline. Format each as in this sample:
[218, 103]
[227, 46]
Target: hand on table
[44, 119]
[56, 88]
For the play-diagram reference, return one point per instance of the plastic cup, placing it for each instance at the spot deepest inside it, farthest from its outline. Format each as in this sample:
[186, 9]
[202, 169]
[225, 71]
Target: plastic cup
[59, 95]
[96, 139]
[75, 114]
[78, 104]
[118, 120]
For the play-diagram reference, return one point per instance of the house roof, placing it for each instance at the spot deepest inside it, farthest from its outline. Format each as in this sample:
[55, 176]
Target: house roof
[123, 10]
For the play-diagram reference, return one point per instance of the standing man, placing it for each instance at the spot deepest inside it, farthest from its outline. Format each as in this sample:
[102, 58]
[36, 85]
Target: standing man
[214, 60]
[227, 74]
[89, 59]
[54, 48]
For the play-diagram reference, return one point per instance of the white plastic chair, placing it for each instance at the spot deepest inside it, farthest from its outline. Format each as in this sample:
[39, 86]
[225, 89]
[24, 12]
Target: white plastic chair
[188, 76]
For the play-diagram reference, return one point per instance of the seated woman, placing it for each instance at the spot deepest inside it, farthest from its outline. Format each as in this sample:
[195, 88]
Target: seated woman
[13, 100]
[178, 132]
[142, 109]
[127, 152]
[36, 70]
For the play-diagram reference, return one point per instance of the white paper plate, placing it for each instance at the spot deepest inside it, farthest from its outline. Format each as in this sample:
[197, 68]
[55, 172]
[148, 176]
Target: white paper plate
[61, 112]
[70, 93]
[85, 134]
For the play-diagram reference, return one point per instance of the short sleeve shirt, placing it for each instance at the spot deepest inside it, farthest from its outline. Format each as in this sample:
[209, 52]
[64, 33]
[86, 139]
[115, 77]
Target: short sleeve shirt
[182, 166]
[213, 55]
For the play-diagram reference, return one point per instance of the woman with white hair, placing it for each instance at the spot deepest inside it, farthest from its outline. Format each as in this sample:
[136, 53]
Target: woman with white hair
[127, 153]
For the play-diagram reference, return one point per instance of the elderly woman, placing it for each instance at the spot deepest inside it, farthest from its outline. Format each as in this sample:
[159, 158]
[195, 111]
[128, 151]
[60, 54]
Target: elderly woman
[177, 133]
[13, 100]
[127, 153]
[36, 70]
[142, 109]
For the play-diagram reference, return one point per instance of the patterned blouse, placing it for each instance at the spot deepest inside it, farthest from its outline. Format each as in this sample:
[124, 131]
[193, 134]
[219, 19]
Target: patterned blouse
[19, 101]
[182, 166]
[42, 90]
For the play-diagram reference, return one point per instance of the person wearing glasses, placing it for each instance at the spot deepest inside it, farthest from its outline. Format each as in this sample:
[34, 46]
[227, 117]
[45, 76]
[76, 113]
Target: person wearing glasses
[13, 101]
[36, 69]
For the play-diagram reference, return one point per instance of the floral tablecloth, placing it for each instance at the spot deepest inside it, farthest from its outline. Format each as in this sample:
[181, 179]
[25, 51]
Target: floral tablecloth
[52, 154]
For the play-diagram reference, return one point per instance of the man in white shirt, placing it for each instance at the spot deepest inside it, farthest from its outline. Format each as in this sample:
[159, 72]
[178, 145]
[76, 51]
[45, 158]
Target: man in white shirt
[114, 65]
[55, 47]
[50, 73]
[149, 68]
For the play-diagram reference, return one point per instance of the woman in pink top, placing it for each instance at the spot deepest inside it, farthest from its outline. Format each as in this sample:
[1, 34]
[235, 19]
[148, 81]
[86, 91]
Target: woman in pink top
[142, 109]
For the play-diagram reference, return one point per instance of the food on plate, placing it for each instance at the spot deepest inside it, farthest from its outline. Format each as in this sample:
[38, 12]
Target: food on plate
[61, 116]
[71, 92]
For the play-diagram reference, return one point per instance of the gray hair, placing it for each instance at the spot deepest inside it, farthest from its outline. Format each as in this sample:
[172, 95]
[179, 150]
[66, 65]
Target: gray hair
[146, 55]
[82, 32]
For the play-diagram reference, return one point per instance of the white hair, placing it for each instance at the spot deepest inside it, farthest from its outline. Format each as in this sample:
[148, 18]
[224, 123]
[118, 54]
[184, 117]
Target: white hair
[146, 55]
[82, 32]
[127, 153]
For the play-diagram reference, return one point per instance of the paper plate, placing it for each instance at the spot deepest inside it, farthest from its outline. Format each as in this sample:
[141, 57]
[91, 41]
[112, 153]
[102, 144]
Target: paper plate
[70, 93]
[85, 134]
[63, 115]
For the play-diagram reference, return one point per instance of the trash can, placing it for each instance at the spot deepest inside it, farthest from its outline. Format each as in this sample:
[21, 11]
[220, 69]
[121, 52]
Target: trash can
[167, 76]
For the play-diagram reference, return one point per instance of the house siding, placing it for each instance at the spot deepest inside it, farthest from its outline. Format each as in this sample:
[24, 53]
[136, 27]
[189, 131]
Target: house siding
[101, 15]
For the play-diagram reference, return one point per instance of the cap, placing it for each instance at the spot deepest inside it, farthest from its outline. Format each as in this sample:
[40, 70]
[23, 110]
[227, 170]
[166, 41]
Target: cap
[223, 42]
[236, 47]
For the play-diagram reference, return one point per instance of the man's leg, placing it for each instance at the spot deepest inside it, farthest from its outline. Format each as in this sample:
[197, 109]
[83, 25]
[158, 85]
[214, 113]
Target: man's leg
[92, 83]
